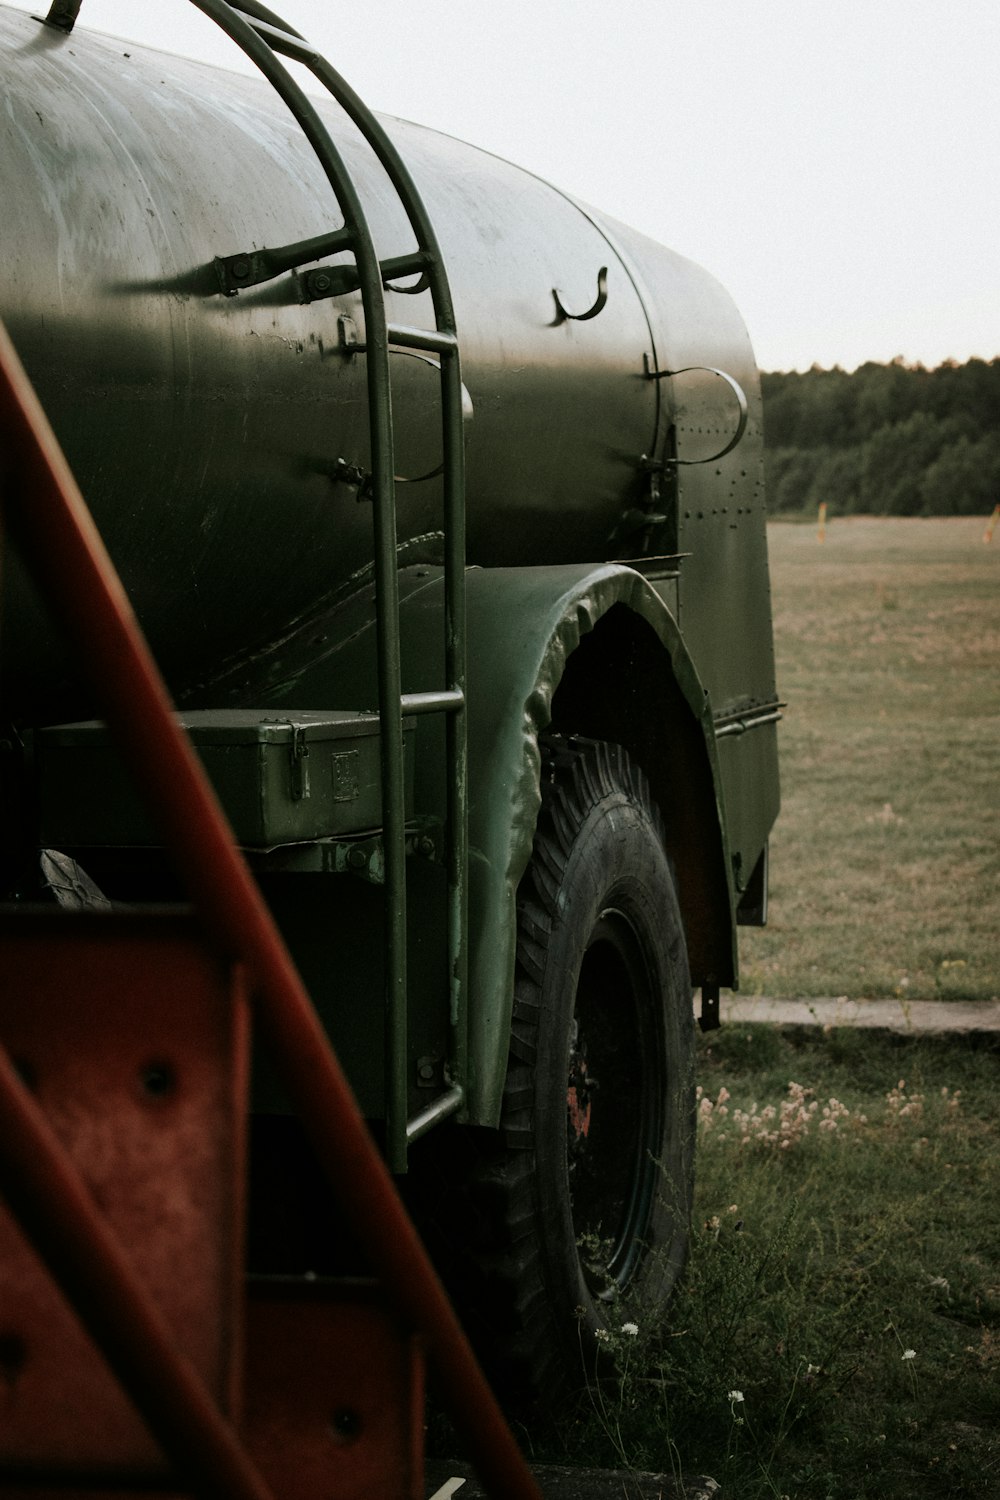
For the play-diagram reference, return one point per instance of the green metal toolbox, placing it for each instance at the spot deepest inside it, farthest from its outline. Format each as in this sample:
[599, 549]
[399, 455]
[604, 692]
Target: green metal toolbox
[281, 778]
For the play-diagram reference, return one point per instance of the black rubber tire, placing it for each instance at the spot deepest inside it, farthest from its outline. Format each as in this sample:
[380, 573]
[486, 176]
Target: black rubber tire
[575, 1215]
[600, 1087]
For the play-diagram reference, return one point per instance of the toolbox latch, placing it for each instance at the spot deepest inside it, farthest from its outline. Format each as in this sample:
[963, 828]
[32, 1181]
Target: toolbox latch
[299, 752]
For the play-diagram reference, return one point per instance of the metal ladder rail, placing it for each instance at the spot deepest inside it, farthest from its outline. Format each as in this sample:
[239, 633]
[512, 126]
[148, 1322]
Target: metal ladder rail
[444, 342]
[428, 261]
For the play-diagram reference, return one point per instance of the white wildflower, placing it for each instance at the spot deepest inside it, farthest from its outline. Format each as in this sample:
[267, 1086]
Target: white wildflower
[631, 1329]
[909, 1354]
[735, 1397]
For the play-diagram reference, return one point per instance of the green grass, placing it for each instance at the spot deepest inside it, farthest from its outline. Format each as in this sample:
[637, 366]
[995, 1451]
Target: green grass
[815, 1267]
[885, 862]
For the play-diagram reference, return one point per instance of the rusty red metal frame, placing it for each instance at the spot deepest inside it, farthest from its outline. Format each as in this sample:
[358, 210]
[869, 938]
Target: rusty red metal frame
[60, 543]
[58, 1213]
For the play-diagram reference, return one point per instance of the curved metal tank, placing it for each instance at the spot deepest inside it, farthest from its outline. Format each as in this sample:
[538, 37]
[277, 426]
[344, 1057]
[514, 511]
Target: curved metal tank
[206, 431]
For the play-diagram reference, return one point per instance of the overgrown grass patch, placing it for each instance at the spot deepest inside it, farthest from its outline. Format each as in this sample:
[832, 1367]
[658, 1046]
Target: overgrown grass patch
[837, 1335]
[885, 870]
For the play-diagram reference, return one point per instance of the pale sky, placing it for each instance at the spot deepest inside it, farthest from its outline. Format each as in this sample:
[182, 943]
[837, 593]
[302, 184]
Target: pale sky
[833, 162]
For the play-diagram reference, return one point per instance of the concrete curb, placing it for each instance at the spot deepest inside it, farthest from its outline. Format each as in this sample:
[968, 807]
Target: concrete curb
[907, 1017]
[558, 1483]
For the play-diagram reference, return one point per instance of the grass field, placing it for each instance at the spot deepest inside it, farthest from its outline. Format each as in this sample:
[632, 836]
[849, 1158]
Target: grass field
[885, 870]
[837, 1335]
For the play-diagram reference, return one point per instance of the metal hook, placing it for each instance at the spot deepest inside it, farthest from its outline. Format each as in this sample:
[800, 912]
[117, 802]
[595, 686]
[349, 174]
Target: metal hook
[562, 316]
[734, 386]
[418, 286]
[467, 414]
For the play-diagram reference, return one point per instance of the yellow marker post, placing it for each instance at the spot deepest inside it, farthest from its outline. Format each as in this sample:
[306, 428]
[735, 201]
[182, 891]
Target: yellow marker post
[821, 533]
[991, 524]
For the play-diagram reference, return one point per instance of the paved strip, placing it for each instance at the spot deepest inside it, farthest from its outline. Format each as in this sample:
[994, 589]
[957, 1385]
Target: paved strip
[910, 1017]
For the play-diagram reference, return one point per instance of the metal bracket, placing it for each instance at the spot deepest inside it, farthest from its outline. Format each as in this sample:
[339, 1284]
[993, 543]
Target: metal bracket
[347, 336]
[739, 723]
[250, 267]
[337, 281]
[562, 316]
[653, 468]
[366, 857]
[429, 1072]
[353, 476]
[636, 522]
[709, 1018]
[62, 15]
[734, 386]
[363, 857]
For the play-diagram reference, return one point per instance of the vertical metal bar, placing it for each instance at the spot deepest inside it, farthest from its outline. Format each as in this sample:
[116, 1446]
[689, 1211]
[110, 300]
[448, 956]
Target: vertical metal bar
[453, 439]
[391, 729]
[42, 1186]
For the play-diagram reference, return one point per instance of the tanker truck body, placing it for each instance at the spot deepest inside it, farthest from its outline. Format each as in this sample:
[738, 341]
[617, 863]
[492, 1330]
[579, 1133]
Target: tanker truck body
[173, 282]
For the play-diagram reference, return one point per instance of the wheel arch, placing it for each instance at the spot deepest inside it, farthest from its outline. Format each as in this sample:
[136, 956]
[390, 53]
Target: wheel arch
[619, 685]
[595, 652]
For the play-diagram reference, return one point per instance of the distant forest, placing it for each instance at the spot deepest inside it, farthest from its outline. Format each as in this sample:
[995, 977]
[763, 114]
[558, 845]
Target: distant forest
[887, 440]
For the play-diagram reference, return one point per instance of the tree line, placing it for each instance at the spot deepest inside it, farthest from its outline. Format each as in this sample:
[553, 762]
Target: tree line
[888, 440]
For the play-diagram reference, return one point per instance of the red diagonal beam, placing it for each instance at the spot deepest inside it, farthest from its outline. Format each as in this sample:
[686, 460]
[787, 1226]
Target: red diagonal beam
[61, 544]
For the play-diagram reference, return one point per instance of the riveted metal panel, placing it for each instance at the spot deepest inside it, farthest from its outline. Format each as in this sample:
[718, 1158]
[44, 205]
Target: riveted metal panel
[134, 1040]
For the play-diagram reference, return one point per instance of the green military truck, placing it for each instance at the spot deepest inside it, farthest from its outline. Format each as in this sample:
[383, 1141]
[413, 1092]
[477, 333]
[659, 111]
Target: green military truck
[439, 497]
